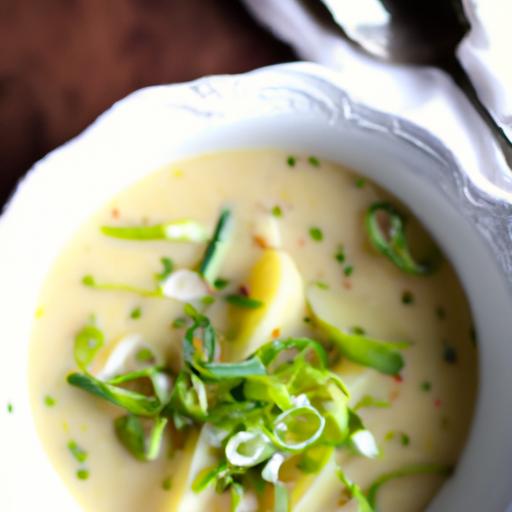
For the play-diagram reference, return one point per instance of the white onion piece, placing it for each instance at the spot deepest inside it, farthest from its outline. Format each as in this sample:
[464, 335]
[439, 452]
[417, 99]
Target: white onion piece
[365, 444]
[266, 229]
[270, 472]
[259, 444]
[185, 231]
[184, 285]
[123, 357]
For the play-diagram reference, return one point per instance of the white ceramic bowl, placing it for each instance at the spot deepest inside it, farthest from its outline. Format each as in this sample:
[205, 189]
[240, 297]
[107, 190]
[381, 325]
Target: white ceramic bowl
[294, 107]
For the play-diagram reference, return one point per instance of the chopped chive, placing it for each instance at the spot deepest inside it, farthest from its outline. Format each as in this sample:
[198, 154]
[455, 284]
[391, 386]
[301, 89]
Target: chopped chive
[144, 355]
[407, 297]
[313, 161]
[220, 283]
[49, 401]
[243, 301]
[167, 483]
[440, 313]
[322, 285]
[291, 161]
[340, 255]
[426, 386]
[179, 322]
[277, 211]
[136, 313]
[10, 408]
[360, 182]
[207, 300]
[82, 474]
[405, 439]
[78, 453]
[348, 270]
[316, 234]
[167, 269]
[88, 280]
[450, 354]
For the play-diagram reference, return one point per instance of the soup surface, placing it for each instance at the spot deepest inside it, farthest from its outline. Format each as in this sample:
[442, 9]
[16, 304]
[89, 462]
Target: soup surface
[295, 261]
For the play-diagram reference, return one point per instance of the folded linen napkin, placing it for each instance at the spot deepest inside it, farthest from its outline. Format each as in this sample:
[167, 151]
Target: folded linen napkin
[424, 95]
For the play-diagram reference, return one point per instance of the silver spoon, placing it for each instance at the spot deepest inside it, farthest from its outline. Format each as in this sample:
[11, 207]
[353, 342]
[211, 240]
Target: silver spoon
[423, 32]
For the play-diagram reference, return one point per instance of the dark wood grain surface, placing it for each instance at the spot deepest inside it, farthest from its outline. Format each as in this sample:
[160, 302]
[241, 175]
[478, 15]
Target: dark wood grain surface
[63, 62]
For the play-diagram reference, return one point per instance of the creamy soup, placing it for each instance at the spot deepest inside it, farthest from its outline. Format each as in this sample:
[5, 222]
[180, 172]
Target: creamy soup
[301, 278]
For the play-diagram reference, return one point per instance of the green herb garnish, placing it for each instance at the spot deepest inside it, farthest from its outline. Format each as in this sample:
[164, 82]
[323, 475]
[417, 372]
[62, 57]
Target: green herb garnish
[78, 453]
[82, 474]
[131, 433]
[316, 234]
[291, 161]
[216, 249]
[87, 343]
[277, 211]
[49, 401]
[242, 301]
[220, 283]
[10, 408]
[91, 282]
[426, 386]
[390, 239]
[371, 401]
[167, 269]
[313, 161]
[340, 255]
[167, 483]
[136, 313]
[407, 297]
[348, 270]
[449, 354]
[179, 322]
[360, 182]
[419, 469]
[177, 231]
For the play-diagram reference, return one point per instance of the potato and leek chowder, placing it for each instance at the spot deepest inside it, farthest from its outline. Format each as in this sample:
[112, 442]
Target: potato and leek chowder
[253, 331]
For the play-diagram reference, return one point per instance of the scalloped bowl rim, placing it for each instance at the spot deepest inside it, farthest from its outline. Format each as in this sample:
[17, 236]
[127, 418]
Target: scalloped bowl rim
[293, 107]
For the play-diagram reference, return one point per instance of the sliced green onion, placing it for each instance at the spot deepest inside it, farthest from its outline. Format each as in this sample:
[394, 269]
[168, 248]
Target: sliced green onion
[281, 498]
[91, 282]
[247, 449]
[248, 368]
[131, 433]
[176, 231]
[371, 401]
[380, 355]
[364, 442]
[418, 469]
[167, 268]
[270, 472]
[393, 244]
[297, 428]
[242, 301]
[136, 403]
[237, 494]
[79, 454]
[87, 343]
[355, 493]
[215, 251]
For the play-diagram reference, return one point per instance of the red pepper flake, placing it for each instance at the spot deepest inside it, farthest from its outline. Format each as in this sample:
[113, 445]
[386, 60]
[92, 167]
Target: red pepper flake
[276, 333]
[260, 242]
[347, 284]
[393, 394]
[437, 403]
[301, 242]
[116, 213]
[244, 290]
[398, 378]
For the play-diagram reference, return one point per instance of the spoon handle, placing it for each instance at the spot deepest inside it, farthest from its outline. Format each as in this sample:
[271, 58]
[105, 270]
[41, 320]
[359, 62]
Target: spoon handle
[458, 73]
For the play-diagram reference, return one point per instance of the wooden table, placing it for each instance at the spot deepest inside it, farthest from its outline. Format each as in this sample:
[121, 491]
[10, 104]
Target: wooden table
[63, 62]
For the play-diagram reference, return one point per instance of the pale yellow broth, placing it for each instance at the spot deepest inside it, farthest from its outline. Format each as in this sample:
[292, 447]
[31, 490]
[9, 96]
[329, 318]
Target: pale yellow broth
[250, 182]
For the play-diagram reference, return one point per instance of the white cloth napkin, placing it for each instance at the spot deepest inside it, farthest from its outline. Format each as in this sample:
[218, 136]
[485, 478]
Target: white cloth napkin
[423, 95]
